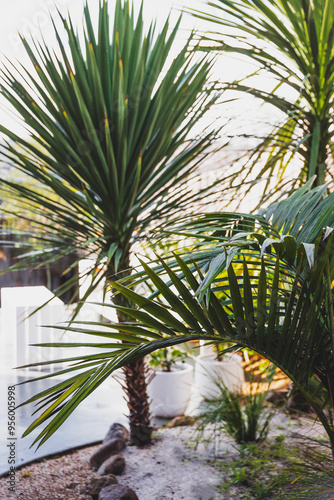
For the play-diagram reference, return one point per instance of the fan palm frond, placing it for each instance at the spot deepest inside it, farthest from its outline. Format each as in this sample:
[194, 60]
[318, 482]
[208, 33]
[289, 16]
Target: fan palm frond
[291, 45]
[272, 295]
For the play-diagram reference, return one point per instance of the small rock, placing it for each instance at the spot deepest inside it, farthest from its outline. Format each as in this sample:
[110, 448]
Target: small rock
[116, 431]
[113, 465]
[71, 486]
[179, 421]
[105, 451]
[97, 483]
[148, 474]
[117, 492]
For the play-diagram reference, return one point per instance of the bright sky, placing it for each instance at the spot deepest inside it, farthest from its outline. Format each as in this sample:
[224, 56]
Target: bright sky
[32, 17]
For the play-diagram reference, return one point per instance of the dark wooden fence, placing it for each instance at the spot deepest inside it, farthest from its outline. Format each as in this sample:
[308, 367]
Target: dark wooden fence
[51, 276]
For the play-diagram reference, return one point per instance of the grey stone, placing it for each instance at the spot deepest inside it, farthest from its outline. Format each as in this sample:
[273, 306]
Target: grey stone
[113, 465]
[105, 451]
[116, 431]
[148, 474]
[117, 492]
[97, 483]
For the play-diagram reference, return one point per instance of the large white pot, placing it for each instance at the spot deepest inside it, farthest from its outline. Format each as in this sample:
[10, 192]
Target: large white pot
[170, 391]
[210, 373]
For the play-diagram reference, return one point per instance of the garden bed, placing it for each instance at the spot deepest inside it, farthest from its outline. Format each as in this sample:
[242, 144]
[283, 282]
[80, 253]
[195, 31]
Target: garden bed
[173, 468]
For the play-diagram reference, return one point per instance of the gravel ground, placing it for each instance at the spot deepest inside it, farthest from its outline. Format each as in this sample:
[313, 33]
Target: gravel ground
[66, 477]
[170, 469]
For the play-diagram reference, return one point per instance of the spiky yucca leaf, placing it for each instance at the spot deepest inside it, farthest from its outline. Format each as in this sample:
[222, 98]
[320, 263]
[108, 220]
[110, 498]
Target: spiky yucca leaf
[109, 119]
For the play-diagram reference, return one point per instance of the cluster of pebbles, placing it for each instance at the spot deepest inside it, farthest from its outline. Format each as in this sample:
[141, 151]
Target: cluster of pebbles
[108, 463]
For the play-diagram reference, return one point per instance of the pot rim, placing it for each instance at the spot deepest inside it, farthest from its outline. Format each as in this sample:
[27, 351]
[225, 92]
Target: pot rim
[211, 358]
[181, 368]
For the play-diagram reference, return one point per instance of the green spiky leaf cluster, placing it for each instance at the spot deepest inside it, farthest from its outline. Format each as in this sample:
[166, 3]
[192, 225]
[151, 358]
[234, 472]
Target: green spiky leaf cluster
[109, 117]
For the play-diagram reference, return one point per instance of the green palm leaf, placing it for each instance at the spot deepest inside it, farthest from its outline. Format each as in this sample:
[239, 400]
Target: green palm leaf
[291, 45]
[274, 297]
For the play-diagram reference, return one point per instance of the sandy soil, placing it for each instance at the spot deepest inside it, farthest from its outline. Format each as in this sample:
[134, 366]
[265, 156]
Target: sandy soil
[170, 469]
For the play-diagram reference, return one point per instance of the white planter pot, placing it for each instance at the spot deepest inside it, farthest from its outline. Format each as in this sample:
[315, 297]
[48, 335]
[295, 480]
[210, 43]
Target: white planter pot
[170, 391]
[209, 372]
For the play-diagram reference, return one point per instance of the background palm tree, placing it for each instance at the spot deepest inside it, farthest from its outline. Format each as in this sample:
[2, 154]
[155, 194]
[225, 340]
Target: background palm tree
[108, 116]
[264, 282]
[290, 43]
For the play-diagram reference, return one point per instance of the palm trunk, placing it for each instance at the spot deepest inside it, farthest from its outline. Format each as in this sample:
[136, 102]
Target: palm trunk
[322, 155]
[135, 386]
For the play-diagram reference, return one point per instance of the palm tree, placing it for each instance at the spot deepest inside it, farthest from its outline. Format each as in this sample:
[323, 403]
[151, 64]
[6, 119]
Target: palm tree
[290, 44]
[263, 282]
[109, 118]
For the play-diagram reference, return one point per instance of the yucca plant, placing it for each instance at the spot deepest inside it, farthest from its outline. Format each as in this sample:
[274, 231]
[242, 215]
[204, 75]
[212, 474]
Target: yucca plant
[290, 44]
[265, 283]
[109, 116]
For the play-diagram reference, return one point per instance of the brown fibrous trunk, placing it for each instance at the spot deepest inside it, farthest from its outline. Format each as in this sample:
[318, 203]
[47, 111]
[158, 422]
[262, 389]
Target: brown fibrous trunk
[135, 388]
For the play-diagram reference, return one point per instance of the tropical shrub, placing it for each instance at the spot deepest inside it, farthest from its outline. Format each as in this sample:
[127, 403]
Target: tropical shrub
[109, 117]
[265, 284]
